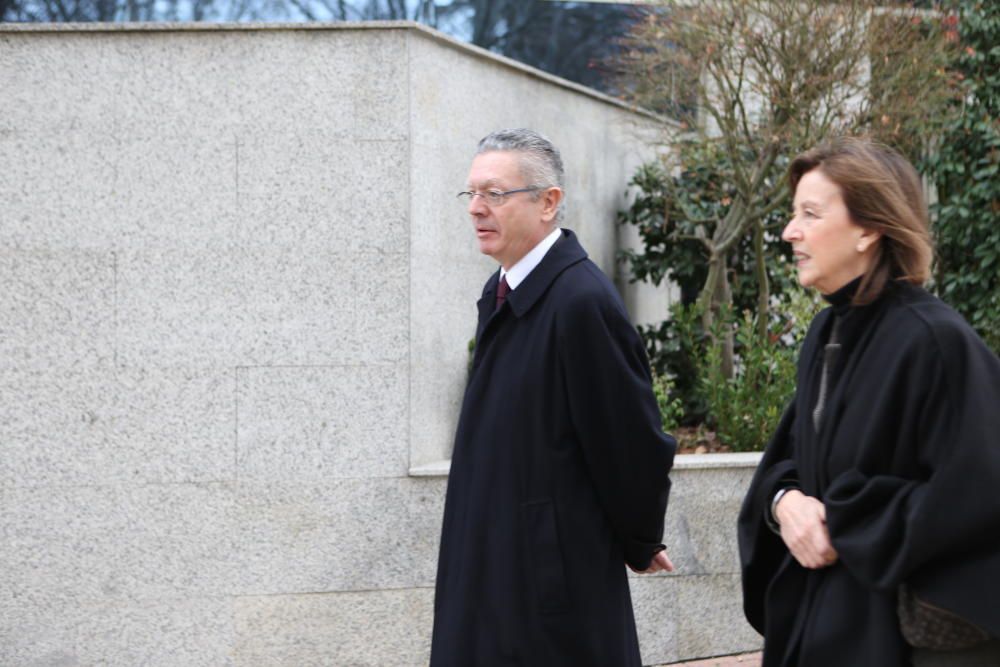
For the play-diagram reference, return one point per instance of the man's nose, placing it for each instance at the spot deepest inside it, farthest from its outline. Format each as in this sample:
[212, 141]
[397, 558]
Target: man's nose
[477, 206]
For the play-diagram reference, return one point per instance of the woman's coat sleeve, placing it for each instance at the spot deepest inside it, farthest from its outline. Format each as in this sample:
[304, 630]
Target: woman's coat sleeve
[761, 549]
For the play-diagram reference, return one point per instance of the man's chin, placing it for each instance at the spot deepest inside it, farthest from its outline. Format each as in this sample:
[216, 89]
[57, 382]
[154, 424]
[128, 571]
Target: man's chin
[486, 247]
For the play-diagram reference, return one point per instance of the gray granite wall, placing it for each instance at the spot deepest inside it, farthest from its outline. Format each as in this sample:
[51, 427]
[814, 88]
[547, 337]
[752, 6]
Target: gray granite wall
[236, 298]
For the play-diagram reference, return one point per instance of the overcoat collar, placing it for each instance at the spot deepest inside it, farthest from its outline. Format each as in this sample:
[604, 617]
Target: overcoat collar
[566, 252]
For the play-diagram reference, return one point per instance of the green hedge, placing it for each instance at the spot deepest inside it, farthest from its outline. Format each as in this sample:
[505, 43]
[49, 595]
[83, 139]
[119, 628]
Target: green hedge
[965, 170]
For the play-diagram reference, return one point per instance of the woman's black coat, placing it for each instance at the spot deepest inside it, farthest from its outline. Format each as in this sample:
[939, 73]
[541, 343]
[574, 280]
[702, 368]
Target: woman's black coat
[907, 463]
[558, 478]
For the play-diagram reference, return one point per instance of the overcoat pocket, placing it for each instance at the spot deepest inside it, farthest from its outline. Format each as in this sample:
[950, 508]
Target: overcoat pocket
[545, 556]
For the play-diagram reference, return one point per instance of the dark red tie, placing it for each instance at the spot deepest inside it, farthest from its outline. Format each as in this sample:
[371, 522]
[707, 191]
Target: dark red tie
[502, 289]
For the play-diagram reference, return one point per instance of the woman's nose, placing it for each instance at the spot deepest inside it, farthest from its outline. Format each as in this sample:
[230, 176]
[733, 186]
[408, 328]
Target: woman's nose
[790, 232]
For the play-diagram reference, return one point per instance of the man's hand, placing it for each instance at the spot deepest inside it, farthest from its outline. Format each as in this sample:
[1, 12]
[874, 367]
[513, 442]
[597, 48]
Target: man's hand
[660, 563]
[802, 520]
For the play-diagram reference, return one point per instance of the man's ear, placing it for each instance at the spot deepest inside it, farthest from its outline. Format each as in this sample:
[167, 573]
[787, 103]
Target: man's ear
[551, 198]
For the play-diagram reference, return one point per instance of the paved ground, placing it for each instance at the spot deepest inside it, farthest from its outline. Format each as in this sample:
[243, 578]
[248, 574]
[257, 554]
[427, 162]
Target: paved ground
[742, 660]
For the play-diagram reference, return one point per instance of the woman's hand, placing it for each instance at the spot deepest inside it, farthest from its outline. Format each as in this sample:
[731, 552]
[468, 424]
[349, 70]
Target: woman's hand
[802, 520]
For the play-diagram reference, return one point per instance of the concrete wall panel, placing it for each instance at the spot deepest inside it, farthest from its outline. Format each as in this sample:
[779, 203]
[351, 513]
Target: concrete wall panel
[307, 189]
[193, 632]
[345, 629]
[227, 305]
[56, 309]
[346, 535]
[138, 426]
[321, 423]
[57, 188]
[112, 543]
[173, 187]
[48, 85]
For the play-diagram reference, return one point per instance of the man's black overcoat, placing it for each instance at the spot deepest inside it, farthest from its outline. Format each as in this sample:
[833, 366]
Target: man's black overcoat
[907, 463]
[558, 478]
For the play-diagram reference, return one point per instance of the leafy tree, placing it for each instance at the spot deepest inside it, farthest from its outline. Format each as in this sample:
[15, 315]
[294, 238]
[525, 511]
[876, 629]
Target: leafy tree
[965, 169]
[770, 78]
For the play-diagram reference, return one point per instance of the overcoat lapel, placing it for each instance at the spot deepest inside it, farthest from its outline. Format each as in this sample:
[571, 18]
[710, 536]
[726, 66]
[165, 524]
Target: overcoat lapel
[855, 332]
[563, 254]
[487, 304]
[804, 434]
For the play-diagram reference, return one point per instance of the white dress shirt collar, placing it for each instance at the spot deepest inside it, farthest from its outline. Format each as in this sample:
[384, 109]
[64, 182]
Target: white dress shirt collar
[527, 264]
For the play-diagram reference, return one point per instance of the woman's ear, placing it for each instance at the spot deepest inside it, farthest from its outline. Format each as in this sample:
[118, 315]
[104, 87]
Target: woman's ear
[868, 239]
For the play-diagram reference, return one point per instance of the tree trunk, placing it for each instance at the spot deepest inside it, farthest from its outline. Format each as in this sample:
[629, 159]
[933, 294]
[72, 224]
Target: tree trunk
[763, 288]
[715, 297]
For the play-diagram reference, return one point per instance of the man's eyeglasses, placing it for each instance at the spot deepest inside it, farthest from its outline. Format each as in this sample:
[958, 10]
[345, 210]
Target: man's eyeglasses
[493, 197]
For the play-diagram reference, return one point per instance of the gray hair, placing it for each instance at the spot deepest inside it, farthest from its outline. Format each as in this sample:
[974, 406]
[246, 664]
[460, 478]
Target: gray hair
[539, 160]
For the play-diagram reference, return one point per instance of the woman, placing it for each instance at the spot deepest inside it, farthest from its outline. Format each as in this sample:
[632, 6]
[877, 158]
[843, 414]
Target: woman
[880, 491]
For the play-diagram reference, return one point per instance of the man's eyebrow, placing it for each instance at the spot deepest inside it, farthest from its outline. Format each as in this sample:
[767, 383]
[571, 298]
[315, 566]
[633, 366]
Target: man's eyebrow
[488, 182]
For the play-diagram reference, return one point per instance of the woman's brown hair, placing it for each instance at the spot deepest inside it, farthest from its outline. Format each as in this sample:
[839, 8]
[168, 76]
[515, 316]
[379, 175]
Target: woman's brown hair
[882, 192]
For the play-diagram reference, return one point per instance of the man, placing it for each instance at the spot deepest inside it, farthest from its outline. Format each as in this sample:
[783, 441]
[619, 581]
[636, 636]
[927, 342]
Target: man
[559, 473]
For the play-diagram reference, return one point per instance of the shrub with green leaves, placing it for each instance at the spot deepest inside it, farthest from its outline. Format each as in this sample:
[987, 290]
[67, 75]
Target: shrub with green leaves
[667, 399]
[745, 410]
[675, 348]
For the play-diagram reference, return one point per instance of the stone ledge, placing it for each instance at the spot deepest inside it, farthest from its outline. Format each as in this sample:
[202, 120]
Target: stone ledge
[681, 462]
[722, 460]
[435, 469]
